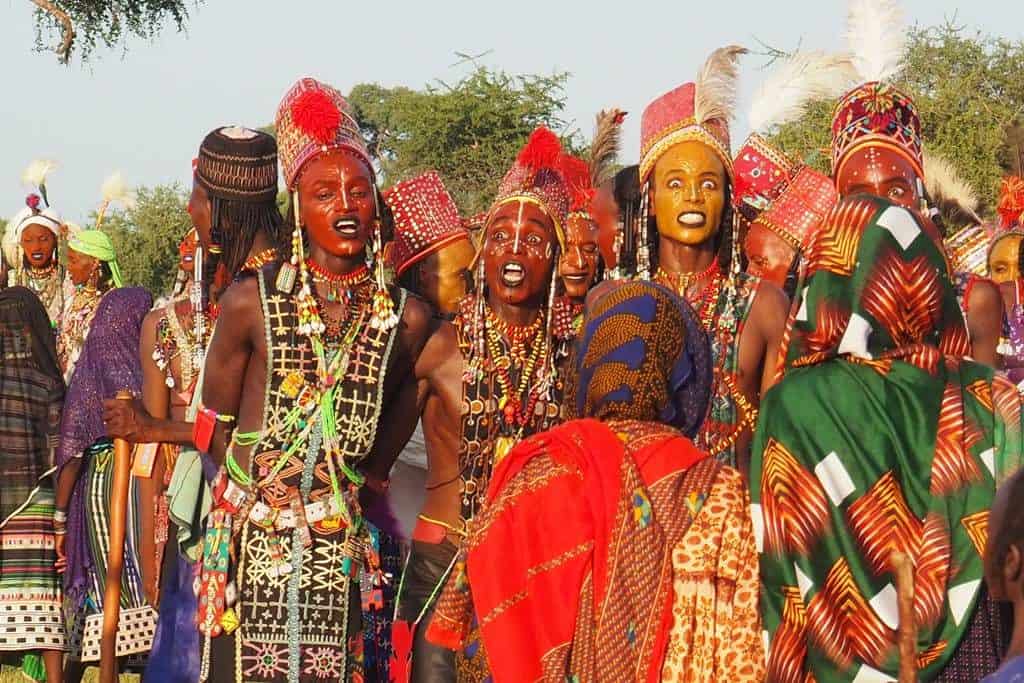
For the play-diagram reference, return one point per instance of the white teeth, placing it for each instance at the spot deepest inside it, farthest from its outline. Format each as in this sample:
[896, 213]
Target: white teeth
[691, 218]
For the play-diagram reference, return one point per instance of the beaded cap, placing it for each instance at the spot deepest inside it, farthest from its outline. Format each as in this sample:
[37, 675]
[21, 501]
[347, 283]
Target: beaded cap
[761, 173]
[669, 120]
[800, 207]
[876, 114]
[314, 118]
[238, 164]
[426, 219]
[536, 177]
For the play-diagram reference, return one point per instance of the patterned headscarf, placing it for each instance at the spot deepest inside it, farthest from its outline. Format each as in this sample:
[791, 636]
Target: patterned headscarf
[878, 289]
[109, 363]
[643, 356]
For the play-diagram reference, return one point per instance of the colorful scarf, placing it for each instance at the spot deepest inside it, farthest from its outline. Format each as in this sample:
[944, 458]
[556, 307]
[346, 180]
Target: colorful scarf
[589, 597]
[881, 437]
[635, 336]
[97, 244]
[109, 363]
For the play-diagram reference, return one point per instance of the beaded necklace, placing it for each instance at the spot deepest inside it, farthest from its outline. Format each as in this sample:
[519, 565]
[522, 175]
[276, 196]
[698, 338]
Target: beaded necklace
[257, 261]
[75, 326]
[706, 304]
[682, 283]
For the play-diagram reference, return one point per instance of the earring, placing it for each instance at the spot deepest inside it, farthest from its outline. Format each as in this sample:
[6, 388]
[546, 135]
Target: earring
[384, 316]
[285, 282]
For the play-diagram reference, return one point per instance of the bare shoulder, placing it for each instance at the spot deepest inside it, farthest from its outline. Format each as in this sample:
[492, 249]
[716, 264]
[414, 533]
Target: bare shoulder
[241, 298]
[985, 296]
[770, 306]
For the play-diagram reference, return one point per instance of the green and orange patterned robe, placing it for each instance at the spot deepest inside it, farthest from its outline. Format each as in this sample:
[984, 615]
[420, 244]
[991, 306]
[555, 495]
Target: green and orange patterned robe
[880, 438]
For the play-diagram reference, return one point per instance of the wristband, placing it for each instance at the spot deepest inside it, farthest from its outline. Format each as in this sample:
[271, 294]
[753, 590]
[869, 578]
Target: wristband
[202, 430]
[60, 516]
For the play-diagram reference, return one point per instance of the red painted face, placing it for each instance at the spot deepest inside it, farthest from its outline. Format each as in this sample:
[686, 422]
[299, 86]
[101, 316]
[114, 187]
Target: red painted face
[881, 172]
[769, 256]
[578, 265]
[336, 203]
[605, 211]
[518, 253]
[81, 266]
[199, 210]
[39, 245]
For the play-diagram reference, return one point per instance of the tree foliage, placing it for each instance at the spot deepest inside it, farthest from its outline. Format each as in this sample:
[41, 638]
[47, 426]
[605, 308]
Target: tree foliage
[83, 25]
[469, 131]
[969, 90]
[146, 236]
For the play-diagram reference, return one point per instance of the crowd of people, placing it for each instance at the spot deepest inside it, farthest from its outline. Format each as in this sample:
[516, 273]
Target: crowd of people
[689, 419]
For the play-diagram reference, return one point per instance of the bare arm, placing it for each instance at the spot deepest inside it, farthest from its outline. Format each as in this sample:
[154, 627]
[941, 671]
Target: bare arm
[771, 309]
[985, 321]
[402, 411]
[148, 420]
[228, 358]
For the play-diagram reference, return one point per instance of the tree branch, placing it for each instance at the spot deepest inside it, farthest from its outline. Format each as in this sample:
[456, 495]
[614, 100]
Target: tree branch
[64, 49]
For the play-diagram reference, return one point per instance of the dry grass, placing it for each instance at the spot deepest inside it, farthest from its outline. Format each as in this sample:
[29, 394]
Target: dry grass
[12, 675]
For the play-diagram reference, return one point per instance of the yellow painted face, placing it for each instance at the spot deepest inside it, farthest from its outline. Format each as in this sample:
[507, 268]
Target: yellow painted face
[688, 188]
[1004, 259]
[445, 277]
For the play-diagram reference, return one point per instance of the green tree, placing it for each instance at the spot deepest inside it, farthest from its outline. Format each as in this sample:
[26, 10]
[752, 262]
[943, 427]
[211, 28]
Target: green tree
[146, 236]
[969, 90]
[469, 131]
[83, 25]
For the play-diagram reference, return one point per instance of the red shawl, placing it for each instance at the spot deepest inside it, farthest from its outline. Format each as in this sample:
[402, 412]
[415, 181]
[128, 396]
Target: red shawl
[570, 562]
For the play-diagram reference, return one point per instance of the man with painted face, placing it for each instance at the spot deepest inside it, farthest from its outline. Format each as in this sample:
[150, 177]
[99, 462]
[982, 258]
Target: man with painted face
[311, 357]
[432, 254]
[877, 150]
[686, 169]
[580, 264]
[489, 380]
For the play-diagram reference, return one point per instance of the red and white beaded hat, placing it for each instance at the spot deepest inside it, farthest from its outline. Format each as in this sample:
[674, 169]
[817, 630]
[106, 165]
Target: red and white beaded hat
[426, 219]
[536, 177]
[876, 113]
[800, 207]
[314, 118]
[693, 111]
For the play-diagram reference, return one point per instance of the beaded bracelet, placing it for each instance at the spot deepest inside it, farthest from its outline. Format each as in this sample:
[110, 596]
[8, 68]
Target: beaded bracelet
[60, 516]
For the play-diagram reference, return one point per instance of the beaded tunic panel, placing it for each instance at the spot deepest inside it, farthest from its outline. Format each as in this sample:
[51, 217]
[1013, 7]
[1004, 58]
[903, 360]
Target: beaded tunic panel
[304, 625]
[482, 419]
[723, 424]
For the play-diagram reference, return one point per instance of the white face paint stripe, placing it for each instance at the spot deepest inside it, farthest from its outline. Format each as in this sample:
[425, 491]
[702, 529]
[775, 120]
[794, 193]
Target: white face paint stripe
[518, 228]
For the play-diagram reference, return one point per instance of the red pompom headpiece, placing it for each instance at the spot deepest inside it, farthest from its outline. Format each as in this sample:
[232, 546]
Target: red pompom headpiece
[316, 115]
[32, 201]
[542, 150]
[1011, 201]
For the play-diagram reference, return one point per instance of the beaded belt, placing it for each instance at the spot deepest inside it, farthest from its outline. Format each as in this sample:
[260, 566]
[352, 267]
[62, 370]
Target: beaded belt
[286, 518]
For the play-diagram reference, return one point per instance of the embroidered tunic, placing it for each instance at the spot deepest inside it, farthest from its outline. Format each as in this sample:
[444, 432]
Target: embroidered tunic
[303, 623]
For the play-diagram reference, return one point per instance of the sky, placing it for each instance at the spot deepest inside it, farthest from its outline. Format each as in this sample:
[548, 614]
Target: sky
[145, 111]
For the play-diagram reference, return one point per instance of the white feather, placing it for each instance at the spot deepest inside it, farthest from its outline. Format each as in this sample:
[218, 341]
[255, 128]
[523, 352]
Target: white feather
[115, 190]
[803, 78]
[36, 172]
[715, 93]
[945, 185]
[877, 38]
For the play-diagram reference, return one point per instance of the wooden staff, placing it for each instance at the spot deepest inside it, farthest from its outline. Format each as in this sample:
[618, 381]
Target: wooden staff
[115, 553]
[906, 634]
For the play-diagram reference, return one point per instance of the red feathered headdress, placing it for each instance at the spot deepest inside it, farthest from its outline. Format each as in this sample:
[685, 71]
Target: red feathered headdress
[577, 178]
[536, 176]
